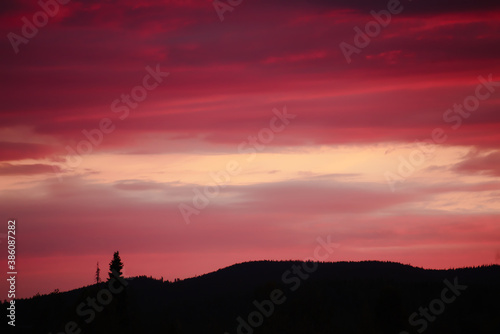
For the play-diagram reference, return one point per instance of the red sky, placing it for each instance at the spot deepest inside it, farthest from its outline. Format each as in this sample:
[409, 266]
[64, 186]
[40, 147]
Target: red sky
[346, 162]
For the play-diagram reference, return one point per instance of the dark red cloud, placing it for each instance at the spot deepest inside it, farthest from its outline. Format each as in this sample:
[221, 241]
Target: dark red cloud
[18, 151]
[225, 77]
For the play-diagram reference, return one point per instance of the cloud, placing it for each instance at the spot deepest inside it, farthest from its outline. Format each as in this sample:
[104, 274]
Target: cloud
[481, 163]
[222, 88]
[19, 151]
[15, 169]
[85, 218]
[258, 215]
[317, 197]
[138, 185]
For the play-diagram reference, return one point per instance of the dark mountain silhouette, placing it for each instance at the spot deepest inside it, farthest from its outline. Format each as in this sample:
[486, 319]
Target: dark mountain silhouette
[343, 297]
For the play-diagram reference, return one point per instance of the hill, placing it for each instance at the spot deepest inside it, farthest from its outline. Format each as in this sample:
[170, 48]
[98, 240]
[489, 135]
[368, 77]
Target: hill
[278, 297]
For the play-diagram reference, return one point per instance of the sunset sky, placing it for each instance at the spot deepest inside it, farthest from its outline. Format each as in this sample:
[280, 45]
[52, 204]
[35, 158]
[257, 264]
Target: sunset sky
[392, 149]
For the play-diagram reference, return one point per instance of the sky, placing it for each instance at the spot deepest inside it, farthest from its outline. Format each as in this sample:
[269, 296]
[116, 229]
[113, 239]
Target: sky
[192, 135]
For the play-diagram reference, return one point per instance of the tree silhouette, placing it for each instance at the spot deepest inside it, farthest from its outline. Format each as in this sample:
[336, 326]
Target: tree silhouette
[98, 274]
[116, 265]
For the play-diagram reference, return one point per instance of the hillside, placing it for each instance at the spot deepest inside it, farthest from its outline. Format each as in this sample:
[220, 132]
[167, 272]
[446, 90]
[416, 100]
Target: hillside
[278, 297]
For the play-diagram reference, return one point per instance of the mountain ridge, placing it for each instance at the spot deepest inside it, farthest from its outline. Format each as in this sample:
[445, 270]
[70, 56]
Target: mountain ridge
[366, 296]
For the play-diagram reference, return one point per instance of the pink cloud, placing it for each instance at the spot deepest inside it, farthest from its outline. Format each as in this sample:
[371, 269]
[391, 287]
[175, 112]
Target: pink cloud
[487, 164]
[12, 169]
[89, 221]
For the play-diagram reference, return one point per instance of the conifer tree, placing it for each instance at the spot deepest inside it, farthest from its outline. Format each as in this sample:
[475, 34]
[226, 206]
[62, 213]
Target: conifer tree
[115, 265]
[98, 274]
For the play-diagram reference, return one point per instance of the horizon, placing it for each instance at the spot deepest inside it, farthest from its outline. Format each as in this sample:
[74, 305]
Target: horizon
[192, 136]
[174, 279]
[179, 279]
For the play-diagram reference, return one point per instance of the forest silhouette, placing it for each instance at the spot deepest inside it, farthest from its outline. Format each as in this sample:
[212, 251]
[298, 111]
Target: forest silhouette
[276, 297]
